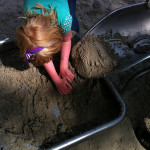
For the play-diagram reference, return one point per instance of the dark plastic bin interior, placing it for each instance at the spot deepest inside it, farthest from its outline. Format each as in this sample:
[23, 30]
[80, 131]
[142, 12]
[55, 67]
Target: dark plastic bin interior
[132, 21]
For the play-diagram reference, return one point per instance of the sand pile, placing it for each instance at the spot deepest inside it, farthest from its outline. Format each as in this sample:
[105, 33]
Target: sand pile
[92, 58]
[33, 113]
[32, 108]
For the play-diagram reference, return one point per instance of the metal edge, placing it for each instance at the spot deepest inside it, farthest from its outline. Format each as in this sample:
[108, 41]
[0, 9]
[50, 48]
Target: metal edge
[109, 124]
[100, 128]
[111, 86]
[135, 77]
[135, 63]
[112, 12]
[7, 44]
[6, 40]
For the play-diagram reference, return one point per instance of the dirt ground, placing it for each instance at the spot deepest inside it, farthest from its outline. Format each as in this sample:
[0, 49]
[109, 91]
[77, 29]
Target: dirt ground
[33, 114]
[31, 100]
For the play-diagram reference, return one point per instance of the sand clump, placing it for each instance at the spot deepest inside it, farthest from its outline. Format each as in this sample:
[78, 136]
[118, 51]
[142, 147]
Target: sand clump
[32, 109]
[92, 58]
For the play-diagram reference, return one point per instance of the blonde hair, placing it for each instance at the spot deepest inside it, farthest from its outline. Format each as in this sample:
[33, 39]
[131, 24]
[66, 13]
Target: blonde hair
[40, 30]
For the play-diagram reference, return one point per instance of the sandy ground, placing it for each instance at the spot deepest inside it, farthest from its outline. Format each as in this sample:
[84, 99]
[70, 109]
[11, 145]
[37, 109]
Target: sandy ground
[120, 137]
[23, 100]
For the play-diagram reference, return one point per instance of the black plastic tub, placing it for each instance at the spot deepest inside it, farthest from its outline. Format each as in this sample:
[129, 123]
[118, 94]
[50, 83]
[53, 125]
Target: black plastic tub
[108, 117]
[133, 25]
[131, 22]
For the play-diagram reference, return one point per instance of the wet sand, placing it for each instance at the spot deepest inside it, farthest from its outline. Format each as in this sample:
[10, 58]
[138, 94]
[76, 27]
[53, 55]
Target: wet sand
[33, 113]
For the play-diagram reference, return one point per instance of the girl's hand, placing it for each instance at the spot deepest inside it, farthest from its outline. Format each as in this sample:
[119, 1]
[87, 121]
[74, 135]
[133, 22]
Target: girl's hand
[67, 74]
[62, 86]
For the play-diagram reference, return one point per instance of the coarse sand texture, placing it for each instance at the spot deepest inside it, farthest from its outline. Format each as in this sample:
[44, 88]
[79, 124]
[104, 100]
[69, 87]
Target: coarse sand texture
[92, 58]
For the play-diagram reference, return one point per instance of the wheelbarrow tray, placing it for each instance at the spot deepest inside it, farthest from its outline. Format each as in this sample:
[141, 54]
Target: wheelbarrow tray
[133, 22]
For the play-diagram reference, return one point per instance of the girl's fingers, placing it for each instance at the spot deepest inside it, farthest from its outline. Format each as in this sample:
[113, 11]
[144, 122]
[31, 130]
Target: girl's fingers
[71, 76]
[69, 86]
[69, 79]
[60, 92]
[64, 92]
[65, 88]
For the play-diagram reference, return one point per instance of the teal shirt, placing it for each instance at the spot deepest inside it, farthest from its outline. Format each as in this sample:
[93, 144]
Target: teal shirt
[62, 10]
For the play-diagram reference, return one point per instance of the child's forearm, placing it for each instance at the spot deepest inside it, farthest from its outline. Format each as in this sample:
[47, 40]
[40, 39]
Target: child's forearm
[51, 71]
[62, 86]
[65, 50]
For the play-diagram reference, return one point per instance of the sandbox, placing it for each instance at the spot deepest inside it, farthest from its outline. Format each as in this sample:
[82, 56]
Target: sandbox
[33, 111]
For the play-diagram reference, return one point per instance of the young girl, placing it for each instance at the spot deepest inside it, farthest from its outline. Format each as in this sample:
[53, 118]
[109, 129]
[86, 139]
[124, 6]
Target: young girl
[46, 30]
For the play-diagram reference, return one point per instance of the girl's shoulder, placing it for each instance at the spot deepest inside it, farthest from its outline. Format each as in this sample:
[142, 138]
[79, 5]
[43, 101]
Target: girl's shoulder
[63, 13]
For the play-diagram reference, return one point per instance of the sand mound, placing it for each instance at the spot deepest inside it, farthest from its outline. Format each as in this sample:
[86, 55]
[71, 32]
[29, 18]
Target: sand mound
[32, 108]
[92, 58]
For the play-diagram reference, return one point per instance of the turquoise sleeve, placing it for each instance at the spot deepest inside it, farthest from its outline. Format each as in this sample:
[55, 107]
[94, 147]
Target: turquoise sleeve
[67, 23]
[62, 10]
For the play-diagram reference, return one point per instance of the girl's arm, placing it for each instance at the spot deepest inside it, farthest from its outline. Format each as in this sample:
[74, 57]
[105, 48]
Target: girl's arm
[65, 52]
[62, 85]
